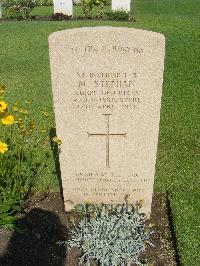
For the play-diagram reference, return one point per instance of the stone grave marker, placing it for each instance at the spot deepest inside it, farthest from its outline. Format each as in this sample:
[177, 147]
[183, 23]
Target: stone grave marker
[63, 6]
[124, 5]
[0, 10]
[107, 87]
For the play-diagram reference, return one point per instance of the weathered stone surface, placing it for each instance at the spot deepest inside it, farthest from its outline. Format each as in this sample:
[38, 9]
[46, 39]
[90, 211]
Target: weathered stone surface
[0, 10]
[124, 5]
[107, 86]
[63, 6]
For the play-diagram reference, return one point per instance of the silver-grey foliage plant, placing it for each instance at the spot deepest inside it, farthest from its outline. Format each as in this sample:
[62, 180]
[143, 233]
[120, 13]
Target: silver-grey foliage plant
[112, 237]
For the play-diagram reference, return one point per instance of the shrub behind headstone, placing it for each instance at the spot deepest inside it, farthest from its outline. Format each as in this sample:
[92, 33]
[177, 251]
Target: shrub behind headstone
[18, 9]
[89, 5]
[44, 2]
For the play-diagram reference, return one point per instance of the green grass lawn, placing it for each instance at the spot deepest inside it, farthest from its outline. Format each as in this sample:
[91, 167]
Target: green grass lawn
[25, 70]
[42, 11]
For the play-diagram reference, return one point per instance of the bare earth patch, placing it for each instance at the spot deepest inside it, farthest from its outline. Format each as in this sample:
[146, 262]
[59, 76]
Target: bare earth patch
[44, 228]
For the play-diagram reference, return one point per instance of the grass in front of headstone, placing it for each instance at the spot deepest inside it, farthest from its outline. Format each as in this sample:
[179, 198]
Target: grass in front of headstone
[25, 71]
[42, 11]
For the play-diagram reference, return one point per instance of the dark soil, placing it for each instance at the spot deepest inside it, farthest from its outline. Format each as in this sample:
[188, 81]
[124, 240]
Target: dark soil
[44, 228]
[48, 18]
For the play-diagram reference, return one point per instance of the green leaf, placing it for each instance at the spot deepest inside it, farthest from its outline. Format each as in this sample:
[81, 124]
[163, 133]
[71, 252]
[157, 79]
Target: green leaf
[4, 208]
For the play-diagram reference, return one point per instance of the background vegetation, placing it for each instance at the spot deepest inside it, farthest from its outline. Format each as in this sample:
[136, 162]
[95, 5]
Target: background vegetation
[25, 70]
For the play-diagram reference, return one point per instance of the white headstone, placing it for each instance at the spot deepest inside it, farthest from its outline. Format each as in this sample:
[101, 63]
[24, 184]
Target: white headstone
[0, 10]
[124, 5]
[107, 87]
[63, 6]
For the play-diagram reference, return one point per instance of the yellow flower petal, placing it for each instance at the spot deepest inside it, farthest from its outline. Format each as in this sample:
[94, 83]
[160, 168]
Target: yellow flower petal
[8, 120]
[3, 147]
[3, 106]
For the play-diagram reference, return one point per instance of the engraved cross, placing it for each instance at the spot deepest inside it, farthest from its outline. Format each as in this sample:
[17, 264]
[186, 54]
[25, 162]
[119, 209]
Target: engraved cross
[107, 135]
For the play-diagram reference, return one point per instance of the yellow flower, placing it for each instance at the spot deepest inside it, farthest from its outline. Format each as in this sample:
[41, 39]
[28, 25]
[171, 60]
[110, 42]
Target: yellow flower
[56, 140]
[8, 120]
[3, 147]
[3, 106]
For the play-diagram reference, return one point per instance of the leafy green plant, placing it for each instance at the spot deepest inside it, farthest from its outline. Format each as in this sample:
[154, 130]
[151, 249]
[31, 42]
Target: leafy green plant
[6, 210]
[111, 236]
[120, 15]
[89, 5]
[44, 2]
[21, 160]
[18, 9]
